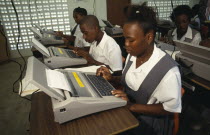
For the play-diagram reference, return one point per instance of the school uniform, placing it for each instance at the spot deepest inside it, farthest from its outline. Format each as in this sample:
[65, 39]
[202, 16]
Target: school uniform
[197, 20]
[191, 36]
[107, 52]
[79, 40]
[155, 81]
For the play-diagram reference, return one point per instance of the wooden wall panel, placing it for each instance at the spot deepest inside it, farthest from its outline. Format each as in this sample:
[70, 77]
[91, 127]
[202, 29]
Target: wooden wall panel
[3, 47]
[115, 11]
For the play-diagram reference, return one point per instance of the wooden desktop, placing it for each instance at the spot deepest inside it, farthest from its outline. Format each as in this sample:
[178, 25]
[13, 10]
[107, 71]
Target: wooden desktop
[102, 123]
[192, 78]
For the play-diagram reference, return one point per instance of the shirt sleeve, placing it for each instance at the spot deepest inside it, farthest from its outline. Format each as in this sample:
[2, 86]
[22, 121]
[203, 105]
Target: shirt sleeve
[196, 39]
[114, 56]
[170, 91]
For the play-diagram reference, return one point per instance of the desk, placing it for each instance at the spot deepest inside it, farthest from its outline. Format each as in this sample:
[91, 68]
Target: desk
[198, 81]
[201, 94]
[107, 122]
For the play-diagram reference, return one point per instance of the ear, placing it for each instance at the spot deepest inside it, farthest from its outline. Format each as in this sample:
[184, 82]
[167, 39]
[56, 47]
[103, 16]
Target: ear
[96, 28]
[150, 37]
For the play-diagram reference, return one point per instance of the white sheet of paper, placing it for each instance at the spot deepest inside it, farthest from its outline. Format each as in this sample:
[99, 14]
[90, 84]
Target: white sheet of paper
[89, 69]
[56, 79]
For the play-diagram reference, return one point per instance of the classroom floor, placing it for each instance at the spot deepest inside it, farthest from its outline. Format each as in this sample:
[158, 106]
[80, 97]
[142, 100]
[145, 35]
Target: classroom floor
[14, 111]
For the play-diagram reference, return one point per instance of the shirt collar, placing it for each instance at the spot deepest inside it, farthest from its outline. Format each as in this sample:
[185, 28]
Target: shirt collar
[146, 66]
[102, 42]
[188, 34]
[174, 32]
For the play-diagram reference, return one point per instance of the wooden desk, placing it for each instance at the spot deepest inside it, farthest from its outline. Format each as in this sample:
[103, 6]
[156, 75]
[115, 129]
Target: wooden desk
[103, 123]
[198, 81]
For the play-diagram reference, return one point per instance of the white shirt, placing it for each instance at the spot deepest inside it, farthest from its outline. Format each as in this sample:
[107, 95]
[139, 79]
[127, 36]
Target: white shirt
[79, 40]
[168, 92]
[196, 40]
[197, 20]
[107, 52]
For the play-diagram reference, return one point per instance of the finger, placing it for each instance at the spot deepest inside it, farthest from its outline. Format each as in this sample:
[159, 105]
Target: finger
[117, 92]
[125, 98]
[103, 68]
[98, 72]
[120, 95]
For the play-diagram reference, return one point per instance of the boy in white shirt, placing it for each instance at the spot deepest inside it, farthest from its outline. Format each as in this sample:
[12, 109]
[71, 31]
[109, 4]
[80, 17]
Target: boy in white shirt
[103, 50]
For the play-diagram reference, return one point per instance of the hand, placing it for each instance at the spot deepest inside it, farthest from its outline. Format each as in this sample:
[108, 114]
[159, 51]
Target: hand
[59, 33]
[104, 72]
[166, 40]
[85, 55]
[76, 49]
[121, 94]
[81, 52]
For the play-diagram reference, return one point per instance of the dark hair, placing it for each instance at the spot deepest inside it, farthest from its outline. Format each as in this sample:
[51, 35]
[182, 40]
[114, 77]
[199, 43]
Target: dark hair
[80, 11]
[181, 10]
[90, 20]
[195, 9]
[144, 15]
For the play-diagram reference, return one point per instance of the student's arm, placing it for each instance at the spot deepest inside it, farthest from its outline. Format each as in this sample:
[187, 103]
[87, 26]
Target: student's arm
[168, 96]
[151, 109]
[68, 37]
[105, 73]
[85, 54]
[86, 48]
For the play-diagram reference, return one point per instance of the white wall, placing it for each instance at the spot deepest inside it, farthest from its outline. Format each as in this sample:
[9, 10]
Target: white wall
[99, 10]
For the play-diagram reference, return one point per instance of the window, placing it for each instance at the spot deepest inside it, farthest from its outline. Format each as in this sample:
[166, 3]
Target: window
[164, 7]
[50, 14]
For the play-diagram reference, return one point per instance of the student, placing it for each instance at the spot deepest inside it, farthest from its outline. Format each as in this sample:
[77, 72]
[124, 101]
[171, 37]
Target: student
[151, 79]
[181, 15]
[195, 21]
[76, 38]
[103, 49]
